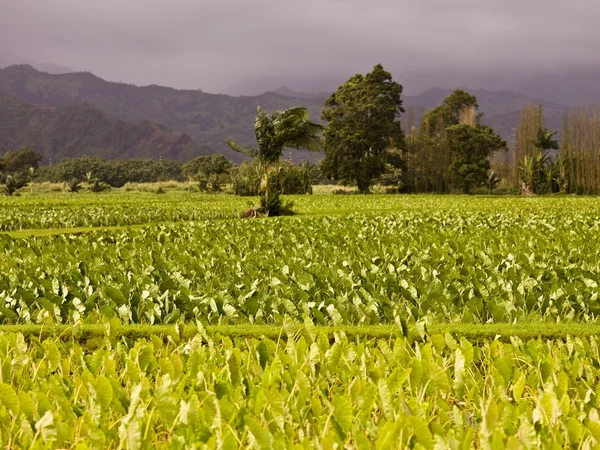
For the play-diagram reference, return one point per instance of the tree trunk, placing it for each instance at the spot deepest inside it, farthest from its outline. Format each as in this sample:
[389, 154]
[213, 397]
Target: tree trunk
[363, 185]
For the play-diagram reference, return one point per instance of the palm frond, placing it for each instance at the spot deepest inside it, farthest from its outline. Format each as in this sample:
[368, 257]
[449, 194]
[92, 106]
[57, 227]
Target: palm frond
[249, 151]
[264, 131]
[544, 140]
[294, 130]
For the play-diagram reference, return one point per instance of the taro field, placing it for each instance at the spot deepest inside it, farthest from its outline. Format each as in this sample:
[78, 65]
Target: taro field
[135, 321]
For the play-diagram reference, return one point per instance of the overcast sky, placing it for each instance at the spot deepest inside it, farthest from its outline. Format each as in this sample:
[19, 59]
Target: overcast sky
[248, 46]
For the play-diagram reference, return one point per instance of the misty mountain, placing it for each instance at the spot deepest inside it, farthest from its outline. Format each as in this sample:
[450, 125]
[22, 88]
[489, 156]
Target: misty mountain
[7, 61]
[211, 118]
[287, 92]
[577, 86]
[81, 129]
[53, 69]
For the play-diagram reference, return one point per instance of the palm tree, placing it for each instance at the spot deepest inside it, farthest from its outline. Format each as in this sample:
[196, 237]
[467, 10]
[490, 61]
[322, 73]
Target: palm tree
[545, 141]
[533, 170]
[74, 185]
[492, 181]
[274, 133]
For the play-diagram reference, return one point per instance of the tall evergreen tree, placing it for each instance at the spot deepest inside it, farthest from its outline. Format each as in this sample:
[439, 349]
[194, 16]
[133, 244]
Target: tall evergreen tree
[363, 122]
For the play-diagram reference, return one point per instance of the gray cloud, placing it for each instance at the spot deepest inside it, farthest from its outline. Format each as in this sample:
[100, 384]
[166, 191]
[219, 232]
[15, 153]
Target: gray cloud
[248, 46]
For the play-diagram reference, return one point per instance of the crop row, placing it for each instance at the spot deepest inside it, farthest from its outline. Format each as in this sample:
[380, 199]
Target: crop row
[123, 209]
[442, 266]
[305, 392]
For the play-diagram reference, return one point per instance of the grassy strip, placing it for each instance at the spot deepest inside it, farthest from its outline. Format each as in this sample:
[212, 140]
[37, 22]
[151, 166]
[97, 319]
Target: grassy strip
[473, 332]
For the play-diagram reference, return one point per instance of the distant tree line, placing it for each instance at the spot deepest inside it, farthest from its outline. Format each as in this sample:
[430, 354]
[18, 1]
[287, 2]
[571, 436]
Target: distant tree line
[208, 173]
[541, 163]
[444, 150]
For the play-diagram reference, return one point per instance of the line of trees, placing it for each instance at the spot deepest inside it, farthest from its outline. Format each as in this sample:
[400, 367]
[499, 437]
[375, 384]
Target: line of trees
[444, 150]
[208, 173]
[542, 162]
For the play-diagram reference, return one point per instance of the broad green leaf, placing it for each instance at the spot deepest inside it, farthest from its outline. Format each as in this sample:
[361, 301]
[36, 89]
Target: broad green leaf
[104, 391]
[9, 398]
[388, 436]
[342, 412]
[261, 437]
[422, 432]
[386, 399]
[115, 295]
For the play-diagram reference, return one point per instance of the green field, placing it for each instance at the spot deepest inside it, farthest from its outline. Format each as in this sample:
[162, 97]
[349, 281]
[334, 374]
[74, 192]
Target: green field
[383, 321]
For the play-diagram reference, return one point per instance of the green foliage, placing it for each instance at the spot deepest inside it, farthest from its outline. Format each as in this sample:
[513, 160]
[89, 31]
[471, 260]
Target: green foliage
[98, 186]
[353, 260]
[306, 391]
[12, 183]
[19, 161]
[279, 130]
[395, 167]
[470, 148]
[539, 173]
[245, 179]
[74, 185]
[215, 164]
[492, 181]
[295, 179]
[115, 173]
[545, 140]
[110, 209]
[363, 123]
[448, 112]
[275, 132]
[436, 159]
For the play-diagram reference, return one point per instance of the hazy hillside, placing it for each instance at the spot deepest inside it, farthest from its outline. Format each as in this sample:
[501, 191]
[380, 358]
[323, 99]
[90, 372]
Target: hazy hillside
[82, 129]
[211, 118]
[7, 60]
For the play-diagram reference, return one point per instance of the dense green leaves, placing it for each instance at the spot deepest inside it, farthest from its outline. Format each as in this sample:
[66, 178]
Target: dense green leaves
[439, 259]
[363, 123]
[302, 396]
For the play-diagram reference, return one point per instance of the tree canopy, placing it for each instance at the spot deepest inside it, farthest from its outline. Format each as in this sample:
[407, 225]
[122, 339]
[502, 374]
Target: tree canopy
[279, 130]
[545, 140]
[448, 113]
[470, 148]
[20, 160]
[363, 122]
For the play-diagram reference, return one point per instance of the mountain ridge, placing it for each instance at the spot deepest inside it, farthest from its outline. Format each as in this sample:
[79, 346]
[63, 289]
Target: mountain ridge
[211, 118]
[79, 129]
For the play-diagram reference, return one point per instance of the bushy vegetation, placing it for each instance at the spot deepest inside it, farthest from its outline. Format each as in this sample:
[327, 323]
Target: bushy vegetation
[115, 173]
